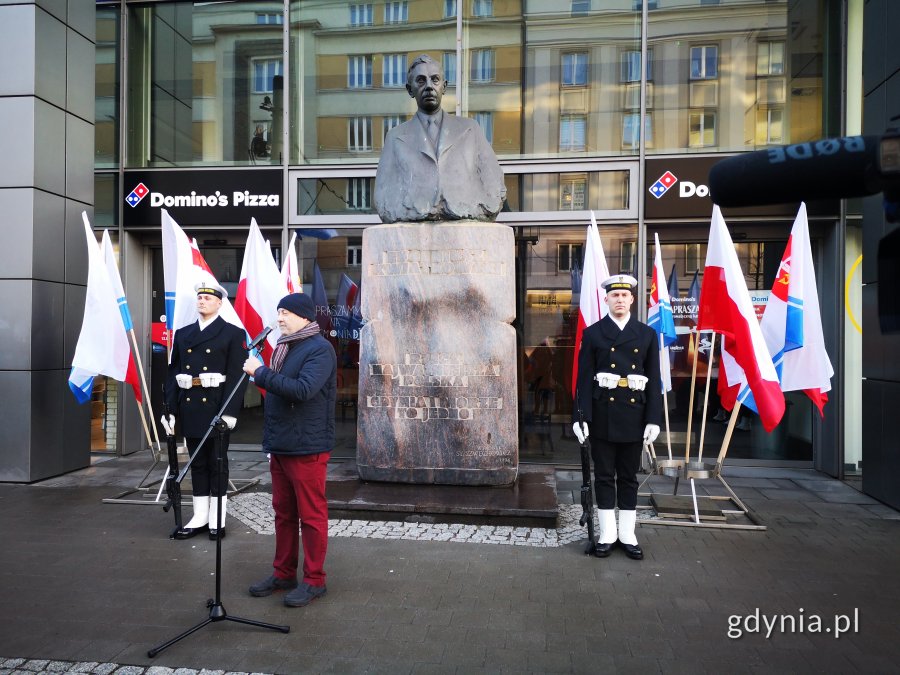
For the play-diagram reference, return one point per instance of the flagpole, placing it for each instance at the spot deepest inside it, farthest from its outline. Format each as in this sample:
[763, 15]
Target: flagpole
[687, 443]
[709, 366]
[665, 397]
[728, 432]
[140, 369]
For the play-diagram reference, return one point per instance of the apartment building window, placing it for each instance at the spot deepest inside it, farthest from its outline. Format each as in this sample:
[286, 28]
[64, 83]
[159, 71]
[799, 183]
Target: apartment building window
[359, 134]
[394, 74]
[267, 18]
[631, 131]
[572, 191]
[264, 70]
[359, 196]
[396, 12]
[359, 72]
[636, 5]
[482, 65]
[628, 257]
[769, 59]
[770, 126]
[486, 121]
[482, 8]
[702, 129]
[449, 64]
[449, 9]
[631, 66]
[389, 123]
[581, 7]
[361, 15]
[354, 251]
[568, 256]
[574, 69]
[571, 132]
[704, 62]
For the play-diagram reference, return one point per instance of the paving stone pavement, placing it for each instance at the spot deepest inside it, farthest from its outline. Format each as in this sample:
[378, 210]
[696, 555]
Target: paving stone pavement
[90, 587]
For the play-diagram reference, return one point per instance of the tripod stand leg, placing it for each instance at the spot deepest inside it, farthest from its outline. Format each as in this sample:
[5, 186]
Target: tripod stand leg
[156, 650]
[251, 622]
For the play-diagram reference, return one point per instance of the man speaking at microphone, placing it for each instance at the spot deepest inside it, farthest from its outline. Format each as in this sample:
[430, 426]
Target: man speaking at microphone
[206, 364]
[620, 396]
[298, 435]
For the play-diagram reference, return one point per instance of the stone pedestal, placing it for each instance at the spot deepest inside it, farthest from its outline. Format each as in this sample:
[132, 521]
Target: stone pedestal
[437, 383]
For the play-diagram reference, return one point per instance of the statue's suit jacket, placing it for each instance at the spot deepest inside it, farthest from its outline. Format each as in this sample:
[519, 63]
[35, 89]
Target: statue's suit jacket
[462, 181]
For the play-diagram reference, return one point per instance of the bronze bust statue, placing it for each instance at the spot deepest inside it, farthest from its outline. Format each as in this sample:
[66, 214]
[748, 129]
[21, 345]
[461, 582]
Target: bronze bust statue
[436, 166]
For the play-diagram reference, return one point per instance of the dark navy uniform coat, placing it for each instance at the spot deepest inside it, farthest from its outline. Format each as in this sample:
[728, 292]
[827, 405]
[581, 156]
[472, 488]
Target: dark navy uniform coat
[619, 415]
[216, 349]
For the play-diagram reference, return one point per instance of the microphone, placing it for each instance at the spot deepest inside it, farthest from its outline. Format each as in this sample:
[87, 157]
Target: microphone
[831, 168]
[259, 339]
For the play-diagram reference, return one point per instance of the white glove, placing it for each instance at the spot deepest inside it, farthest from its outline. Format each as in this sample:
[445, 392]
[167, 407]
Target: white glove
[232, 421]
[607, 380]
[184, 381]
[581, 431]
[168, 424]
[651, 431]
[637, 382]
[211, 379]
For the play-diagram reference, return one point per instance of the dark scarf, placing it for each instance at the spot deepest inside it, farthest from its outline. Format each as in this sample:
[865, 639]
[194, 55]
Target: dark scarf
[286, 341]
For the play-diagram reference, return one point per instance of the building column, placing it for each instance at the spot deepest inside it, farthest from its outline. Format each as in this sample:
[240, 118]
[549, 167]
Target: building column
[46, 181]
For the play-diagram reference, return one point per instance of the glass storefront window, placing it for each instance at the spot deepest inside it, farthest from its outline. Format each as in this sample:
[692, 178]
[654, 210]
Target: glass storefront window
[735, 82]
[106, 88]
[548, 292]
[205, 84]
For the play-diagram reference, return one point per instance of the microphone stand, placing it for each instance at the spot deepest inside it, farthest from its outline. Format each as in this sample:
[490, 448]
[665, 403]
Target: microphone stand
[216, 608]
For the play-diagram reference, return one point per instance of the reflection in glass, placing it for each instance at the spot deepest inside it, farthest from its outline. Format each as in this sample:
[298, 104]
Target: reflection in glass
[331, 196]
[205, 83]
[548, 292]
[106, 89]
[597, 190]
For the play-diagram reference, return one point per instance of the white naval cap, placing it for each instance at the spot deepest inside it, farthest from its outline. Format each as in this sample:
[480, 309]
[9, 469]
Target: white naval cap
[211, 287]
[624, 282]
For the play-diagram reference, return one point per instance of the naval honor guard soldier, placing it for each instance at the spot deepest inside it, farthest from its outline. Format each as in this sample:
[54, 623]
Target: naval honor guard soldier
[207, 359]
[620, 397]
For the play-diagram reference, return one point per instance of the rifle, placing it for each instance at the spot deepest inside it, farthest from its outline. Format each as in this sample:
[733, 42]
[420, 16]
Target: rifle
[587, 493]
[173, 487]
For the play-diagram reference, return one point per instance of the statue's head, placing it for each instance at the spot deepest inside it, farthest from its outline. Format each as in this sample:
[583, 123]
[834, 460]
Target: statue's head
[425, 82]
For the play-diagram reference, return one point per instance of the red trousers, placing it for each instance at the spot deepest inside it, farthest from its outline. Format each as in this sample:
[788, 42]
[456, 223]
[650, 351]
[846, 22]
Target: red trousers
[301, 511]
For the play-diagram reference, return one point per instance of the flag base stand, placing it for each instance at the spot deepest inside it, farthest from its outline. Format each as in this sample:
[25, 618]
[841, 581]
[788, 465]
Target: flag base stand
[157, 496]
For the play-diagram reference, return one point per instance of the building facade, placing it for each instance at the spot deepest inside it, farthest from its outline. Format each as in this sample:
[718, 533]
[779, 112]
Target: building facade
[282, 107]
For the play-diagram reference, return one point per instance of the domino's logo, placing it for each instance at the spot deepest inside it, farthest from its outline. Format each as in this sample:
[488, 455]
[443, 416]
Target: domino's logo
[663, 183]
[135, 196]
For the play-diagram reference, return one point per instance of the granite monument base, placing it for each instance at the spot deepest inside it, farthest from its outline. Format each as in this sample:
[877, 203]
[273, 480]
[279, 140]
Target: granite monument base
[438, 375]
[531, 502]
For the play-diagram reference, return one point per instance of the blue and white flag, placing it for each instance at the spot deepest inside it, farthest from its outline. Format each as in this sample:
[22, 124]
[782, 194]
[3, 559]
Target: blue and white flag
[660, 319]
[102, 347]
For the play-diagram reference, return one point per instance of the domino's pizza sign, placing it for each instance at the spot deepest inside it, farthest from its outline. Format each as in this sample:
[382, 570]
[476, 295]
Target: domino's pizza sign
[135, 196]
[662, 184]
[678, 187]
[204, 197]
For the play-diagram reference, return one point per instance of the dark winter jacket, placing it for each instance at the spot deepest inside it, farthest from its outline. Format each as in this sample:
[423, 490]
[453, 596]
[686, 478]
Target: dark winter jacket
[300, 399]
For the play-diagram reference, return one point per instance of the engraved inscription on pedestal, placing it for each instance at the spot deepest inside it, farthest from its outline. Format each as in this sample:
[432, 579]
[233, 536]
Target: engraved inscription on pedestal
[437, 389]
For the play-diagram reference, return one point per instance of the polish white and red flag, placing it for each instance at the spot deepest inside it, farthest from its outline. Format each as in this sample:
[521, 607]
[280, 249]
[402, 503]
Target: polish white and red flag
[290, 268]
[183, 268]
[725, 308]
[592, 300]
[259, 290]
[792, 324]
